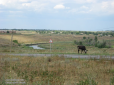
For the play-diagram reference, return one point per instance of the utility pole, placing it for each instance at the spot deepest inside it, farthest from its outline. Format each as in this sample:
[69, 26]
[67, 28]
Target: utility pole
[50, 41]
[11, 41]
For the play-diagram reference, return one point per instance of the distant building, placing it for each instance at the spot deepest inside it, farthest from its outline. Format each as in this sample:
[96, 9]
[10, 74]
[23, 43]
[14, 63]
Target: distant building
[7, 31]
[81, 33]
[3, 31]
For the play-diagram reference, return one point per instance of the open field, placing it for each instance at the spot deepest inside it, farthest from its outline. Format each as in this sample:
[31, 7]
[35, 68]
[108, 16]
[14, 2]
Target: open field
[54, 70]
[62, 43]
[37, 38]
[57, 70]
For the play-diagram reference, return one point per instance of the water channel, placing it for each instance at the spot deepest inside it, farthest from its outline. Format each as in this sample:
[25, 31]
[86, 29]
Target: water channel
[35, 47]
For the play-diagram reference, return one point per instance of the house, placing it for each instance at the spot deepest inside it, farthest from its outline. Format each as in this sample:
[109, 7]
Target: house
[7, 31]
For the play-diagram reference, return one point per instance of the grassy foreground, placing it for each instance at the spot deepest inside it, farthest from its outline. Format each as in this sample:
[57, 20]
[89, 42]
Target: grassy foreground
[57, 70]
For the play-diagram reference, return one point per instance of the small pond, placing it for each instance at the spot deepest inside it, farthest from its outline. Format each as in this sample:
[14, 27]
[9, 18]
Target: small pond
[36, 47]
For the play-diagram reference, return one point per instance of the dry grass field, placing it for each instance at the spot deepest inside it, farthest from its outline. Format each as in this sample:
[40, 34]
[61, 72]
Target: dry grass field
[37, 38]
[57, 70]
[54, 70]
[62, 43]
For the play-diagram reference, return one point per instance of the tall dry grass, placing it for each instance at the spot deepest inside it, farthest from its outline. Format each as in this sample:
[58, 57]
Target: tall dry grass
[37, 38]
[62, 71]
[4, 68]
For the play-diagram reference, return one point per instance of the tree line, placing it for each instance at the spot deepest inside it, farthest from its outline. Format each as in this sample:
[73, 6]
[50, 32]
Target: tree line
[101, 33]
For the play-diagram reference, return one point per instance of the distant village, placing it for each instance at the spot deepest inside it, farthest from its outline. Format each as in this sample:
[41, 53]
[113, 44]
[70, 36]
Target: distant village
[7, 31]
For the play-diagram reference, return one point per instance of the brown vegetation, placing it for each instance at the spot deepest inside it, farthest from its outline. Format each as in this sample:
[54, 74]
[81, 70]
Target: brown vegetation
[62, 71]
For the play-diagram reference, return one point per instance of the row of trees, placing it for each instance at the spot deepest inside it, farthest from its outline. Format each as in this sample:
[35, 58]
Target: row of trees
[93, 42]
[44, 31]
[104, 33]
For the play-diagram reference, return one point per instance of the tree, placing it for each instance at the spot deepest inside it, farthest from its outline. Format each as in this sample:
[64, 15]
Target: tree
[80, 43]
[84, 37]
[95, 39]
[7, 31]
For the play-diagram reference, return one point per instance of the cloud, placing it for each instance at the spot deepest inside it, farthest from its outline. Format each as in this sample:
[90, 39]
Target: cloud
[104, 7]
[84, 7]
[72, 6]
[24, 0]
[35, 5]
[4, 2]
[60, 6]
[84, 1]
[23, 4]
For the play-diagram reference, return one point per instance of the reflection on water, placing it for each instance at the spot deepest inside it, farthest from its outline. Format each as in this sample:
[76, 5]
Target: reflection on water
[36, 47]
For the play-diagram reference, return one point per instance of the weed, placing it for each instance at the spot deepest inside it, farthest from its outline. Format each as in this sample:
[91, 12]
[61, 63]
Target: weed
[112, 80]
[2, 81]
[60, 70]
[87, 82]
[26, 77]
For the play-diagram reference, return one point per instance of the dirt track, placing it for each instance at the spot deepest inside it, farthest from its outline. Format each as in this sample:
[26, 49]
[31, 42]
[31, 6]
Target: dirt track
[66, 56]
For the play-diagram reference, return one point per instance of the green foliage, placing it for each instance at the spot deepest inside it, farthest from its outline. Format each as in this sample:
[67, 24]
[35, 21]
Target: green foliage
[75, 42]
[78, 43]
[102, 45]
[112, 80]
[15, 41]
[95, 42]
[2, 81]
[26, 77]
[111, 70]
[84, 37]
[95, 39]
[88, 82]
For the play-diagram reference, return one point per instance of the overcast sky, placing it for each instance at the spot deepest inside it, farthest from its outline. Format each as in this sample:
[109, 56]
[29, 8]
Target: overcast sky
[79, 15]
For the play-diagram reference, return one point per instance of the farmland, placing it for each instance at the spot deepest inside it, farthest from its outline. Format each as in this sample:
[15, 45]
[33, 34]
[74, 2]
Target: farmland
[56, 70]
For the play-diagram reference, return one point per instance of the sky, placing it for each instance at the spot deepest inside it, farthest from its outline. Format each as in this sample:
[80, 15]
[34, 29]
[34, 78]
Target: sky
[77, 15]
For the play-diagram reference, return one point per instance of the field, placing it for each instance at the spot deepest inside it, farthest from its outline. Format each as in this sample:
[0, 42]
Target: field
[57, 70]
[62, 43]
[54, 70]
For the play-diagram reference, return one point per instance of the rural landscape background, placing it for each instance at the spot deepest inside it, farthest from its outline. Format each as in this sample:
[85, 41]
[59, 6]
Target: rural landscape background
[27, 27]
[56, 70]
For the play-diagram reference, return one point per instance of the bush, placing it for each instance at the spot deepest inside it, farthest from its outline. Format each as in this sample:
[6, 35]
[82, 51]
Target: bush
[84, 37]
[15, 41]
[78, 43]
[102, 45]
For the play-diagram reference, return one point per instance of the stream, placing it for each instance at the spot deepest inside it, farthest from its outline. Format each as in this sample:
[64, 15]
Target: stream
[35, 47]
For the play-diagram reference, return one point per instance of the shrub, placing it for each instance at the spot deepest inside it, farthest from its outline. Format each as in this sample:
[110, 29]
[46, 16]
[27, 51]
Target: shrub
[84, 37]
[102, 45]
[78, 43]
[15, 41]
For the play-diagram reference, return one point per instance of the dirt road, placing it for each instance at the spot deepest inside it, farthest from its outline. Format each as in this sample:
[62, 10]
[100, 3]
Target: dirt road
[66, 56]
